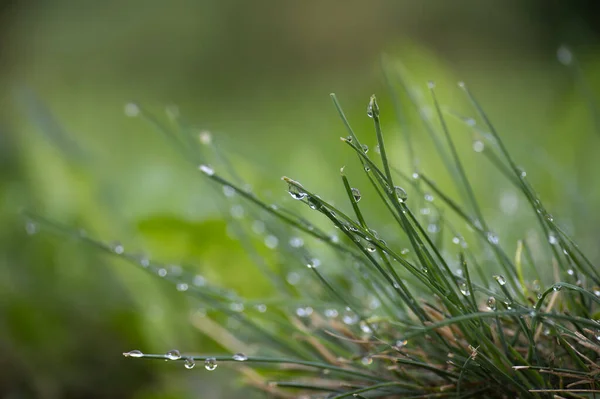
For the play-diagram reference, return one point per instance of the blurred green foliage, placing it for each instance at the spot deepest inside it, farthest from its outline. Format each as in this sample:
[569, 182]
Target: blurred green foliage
[257, 75]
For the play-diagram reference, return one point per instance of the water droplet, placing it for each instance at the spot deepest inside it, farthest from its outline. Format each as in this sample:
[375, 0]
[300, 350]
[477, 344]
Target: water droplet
[258, 226]
[182, 287]
[210, 363]
[364, 327]
[425, 211]
[570, 272]
[455, 240]
[189, 363]
[331, 313]
[428, 197]
[349, 317]
[462, 85]
[377, 149]
[296, 191]
[334, 238]
[173, 355]
[30, 227]
[304, 312]
[492, 238]
[144, 261]
[470, 121]
[415, 176]
[314, 204]
[162, 272]
[522, 172]
[433, 228]
[557, 287]
[367, 168]
[500, 279]
[348, 139]
[236, 306]
[117, 248]
[552, 239]
[367, 360]
[240, 357]
[205, 137]
[228, 191]
[371, 248]
[365, 148]
[292, 278]
[132, 109]
[564, 55]
[133, 353]
[404, 251]
[199, 280]
[400, 343]
[478, 146]
[373, 108]
[400, 194]
[261, 307]
[431, 84]
[356, 194]
[207, 170]
[296, 242]
[464, 289]
[491, 303]
[597, 291]
[271, 241]
[237, 211]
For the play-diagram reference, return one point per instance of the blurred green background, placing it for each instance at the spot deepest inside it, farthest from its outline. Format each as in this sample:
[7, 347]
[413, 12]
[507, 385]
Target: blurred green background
[257, 75]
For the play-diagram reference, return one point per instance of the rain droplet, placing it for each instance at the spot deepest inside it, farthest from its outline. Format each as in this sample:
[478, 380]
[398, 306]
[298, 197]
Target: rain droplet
[205, 137]
[207, 170]
[455, 240]
[236, 306]
[331, 313]
[30, 227]
[162, 272]
[189, 363]
[425, 211]
[462, 85]
[404, 251]
[373, 108]
[144, 261]
[464, 289]
[371, 248]
[552, 239]
[349, 317]
[173, 355]
[304, 312]
[570, 272]
[182, 287]
[296, 242]
[367, 168]
[500, 279]
[415, 176]
[132, 109]
[292, 278]
[365, 148]
[296, 191]
[364, 327]
[228, 191]
[431, 84]
[491, 303]
[433, 228]
[564, 55]
[367, 360]
[356, 194]
[478, 146]
[492, 238]
[314, 204]
[400, 194]
[240, 357]
[597, 291]
[557, 287]
[377, 149]
[428, 197]
[210, 364]
[133, 353]
[348, 139]
[199, 280]
[117, 248]
[271, 241]
[400, 343]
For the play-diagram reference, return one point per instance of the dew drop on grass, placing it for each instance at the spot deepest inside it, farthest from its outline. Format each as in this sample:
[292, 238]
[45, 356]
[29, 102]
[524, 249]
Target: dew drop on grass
[431, 84]
[356, 194]
[173, 355]
[400, 343]
[228, 191]
[133, 353]
[349, 317]
[236, 307]
[207, 170]
[296, 191]
[491, 303]
[552, 239]
[433, 228]
[478, 146]
[296, 242]
[189, 363]
[464, 289]
[304, 312]
[132, 109]
[364, 327]
[500, 279]
[292, 278]
[271, 241]
[348, 139]
[182, 287]
[455, 240]
[365, 148]
[377, 149]
[117, 248]
[557, 287]
[400, 194]
[30, 227]
[199, 280]
[205, 137]
[144, 261]
[331, 313]
[425, 211]
[570, 272]
[470, 121]
[314, 204]
[372, 108]
[258, 226]
[240, 357]
[428, 197]
[371, 248]
[492, 238]
[564, 55]
[210, 364]
[596, 291]
[367, 360]
[404, 251]
[162, 272]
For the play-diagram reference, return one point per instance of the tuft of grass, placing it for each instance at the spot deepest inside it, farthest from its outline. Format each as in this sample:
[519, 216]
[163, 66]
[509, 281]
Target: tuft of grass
[429, 320]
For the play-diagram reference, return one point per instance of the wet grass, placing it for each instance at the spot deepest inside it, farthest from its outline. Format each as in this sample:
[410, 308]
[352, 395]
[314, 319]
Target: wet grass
[429, 318]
